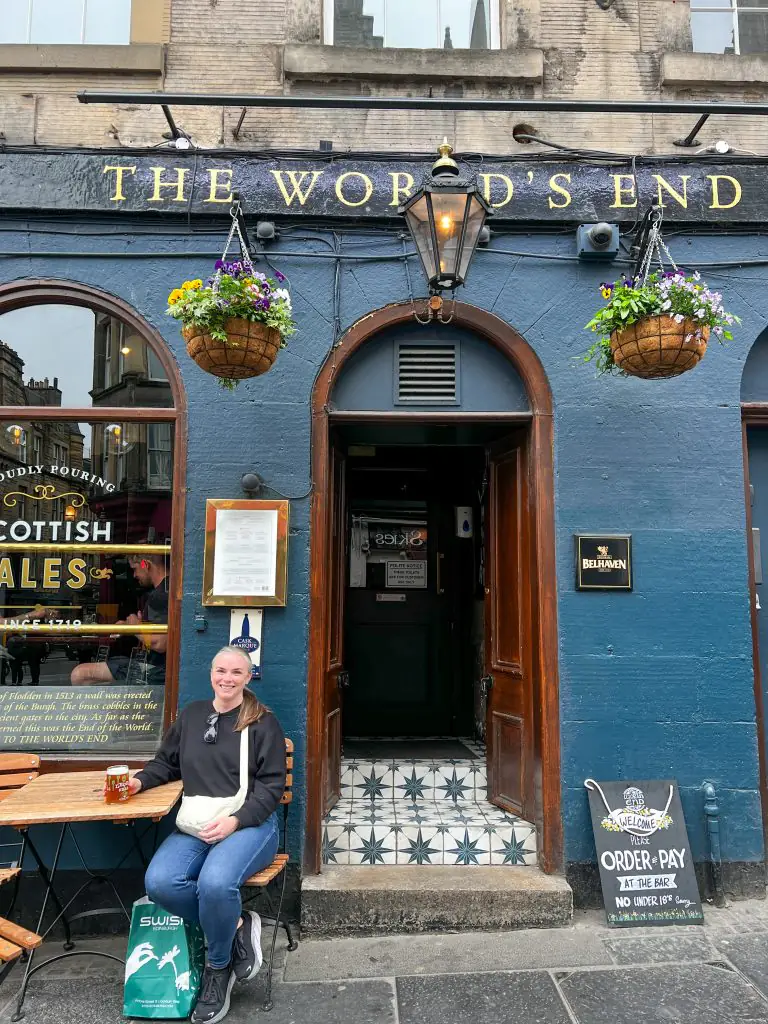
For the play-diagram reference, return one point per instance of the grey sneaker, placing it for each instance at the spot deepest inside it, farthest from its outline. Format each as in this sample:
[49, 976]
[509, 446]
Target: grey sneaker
[213, 1002]
[246, 953]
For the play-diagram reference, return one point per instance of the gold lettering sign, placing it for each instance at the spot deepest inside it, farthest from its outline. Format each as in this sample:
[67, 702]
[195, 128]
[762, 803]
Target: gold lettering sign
[620, 188]
[557, 187]
[118, 171]
[216, 185]
[178, 184]
[532, 192]
[507, 182]
[296, 179]
[716, 204]
[368, 184]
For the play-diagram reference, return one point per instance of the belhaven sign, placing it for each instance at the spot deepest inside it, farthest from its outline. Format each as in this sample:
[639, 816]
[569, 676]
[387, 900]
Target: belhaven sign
[603, 562]
[646, 870]
[520, 189]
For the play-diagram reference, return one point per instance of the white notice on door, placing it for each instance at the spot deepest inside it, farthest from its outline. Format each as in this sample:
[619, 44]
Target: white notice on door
[402, 574]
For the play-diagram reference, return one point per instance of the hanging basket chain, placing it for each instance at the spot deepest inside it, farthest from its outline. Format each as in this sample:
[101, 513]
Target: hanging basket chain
[235, 212]
[656, 248]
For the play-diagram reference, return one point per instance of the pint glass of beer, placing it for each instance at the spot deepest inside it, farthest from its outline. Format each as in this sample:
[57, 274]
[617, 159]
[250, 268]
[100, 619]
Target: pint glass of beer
[116, 788]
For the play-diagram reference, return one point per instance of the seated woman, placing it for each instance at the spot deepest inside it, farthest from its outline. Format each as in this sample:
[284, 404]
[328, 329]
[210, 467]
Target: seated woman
[198, 876]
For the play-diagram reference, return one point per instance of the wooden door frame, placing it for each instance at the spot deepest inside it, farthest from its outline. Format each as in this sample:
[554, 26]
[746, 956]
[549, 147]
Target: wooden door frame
[544, 597]
[755, 414]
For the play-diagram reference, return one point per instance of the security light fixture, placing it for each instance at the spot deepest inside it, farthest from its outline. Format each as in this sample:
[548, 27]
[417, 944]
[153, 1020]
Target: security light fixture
[445, 219]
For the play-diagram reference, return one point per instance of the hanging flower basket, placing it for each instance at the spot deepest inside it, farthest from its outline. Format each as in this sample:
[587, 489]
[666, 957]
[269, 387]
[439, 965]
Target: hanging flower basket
[659, 346]
[236, 322]
[657, 324]
[250, 349]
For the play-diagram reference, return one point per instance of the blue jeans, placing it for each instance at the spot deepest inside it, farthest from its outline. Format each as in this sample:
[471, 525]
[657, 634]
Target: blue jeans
[201, 883]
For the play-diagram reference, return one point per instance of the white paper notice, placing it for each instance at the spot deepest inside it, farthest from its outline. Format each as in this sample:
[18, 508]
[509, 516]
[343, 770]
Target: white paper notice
[402, 574]
[245, 559]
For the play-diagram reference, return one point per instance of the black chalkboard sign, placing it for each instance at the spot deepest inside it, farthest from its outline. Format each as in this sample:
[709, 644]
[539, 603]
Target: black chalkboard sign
[646, 870]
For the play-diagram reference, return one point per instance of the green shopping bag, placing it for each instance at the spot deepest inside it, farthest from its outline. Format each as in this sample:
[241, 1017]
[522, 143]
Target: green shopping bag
[164, 963]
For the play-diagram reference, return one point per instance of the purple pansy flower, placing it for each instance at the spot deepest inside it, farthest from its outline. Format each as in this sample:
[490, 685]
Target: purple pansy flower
[280, 277]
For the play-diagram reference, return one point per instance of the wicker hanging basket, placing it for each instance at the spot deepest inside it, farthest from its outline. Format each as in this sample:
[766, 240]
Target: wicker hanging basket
[659, 346]
[250, 349]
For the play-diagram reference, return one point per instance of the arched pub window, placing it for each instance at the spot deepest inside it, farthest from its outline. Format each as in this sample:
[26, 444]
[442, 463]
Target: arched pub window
[89, 466]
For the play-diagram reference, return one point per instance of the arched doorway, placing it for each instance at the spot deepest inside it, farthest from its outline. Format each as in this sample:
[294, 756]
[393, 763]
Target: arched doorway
[92, 463]
[754, 418]
[522, 654]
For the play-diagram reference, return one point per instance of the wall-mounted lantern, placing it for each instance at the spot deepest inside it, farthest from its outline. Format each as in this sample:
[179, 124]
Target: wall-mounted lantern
[445, 219]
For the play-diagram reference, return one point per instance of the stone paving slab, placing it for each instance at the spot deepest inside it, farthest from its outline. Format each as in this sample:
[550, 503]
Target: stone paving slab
[529, 997]
[688, 994]
[661, 949]
[749, 954]
[357, 1002]
[443, 954]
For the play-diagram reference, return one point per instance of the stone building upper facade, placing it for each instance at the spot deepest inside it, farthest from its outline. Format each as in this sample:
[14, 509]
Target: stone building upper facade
[610, 49]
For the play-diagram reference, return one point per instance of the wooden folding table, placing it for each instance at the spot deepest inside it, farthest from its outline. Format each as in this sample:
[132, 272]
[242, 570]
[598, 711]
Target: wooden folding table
[65, 799]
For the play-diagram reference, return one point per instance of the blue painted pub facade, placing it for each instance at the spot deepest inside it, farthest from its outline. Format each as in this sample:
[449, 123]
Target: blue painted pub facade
[657, 682]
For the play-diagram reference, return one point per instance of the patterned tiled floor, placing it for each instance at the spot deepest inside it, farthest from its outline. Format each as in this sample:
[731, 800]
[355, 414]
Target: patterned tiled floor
[422, 812]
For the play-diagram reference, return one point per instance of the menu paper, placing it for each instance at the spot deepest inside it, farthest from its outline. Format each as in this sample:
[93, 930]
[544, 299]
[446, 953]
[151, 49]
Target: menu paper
[246, 552]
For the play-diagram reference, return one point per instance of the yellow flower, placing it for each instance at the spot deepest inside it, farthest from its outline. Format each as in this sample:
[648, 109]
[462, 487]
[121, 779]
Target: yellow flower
[186, 285]
[174, 297]
[606, 293]
[196, 284]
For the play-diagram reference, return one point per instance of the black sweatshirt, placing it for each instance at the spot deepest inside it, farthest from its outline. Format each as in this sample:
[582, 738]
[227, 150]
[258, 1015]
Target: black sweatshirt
[213, 769]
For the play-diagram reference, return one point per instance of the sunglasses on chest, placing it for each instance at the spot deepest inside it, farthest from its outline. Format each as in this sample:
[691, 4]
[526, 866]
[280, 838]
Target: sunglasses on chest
[211, 728]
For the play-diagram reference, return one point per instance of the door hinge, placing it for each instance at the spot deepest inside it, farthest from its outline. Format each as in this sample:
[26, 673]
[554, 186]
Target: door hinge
[486, 685]
[342, 680]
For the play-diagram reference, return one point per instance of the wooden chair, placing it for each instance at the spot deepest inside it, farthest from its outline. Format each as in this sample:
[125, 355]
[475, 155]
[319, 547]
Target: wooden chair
[277, 869]
[16, 770]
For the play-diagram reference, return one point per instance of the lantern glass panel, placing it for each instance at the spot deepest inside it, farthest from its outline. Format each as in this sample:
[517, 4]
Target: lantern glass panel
[475, 223]
[417, 217]
[449, 217]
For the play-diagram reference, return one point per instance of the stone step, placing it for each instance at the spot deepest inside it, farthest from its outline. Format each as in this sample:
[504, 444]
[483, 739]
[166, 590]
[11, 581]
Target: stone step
[437, 833]
[350, 900]
[414, 780]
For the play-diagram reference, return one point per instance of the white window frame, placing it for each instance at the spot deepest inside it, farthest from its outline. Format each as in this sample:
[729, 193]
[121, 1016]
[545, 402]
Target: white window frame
[166, 483]
[494, 20]
[734, 9]
[83, 22]
[60, 454]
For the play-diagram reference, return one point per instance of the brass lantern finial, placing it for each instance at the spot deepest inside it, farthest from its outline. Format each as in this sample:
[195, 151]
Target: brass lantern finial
[445, 164]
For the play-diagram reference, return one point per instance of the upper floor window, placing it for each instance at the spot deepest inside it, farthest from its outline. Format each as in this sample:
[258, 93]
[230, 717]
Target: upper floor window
[46, 22]
[729, 26]
[428, 24]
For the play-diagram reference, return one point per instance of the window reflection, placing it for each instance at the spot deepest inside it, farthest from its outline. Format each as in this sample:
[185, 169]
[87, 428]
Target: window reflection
[85, 531]
[430, 24]
[739, 27]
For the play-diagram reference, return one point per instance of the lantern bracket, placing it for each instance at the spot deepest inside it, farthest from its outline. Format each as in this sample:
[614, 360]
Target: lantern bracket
[434, 310]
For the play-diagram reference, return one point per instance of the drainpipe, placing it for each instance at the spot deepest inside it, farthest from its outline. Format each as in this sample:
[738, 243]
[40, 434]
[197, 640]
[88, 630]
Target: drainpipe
[712, 815]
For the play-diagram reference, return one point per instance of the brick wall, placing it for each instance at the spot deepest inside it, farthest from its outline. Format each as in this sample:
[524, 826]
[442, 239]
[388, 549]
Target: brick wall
[229, 46]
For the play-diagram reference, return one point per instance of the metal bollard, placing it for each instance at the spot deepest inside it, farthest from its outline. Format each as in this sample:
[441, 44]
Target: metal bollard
[712, 814]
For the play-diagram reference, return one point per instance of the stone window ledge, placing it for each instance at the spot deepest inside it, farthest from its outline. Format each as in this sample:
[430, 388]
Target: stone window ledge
[309, 61]
[139, 58]
[713, 69]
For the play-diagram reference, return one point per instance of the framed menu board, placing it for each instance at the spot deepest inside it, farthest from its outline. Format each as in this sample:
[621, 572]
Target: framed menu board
[245, 561]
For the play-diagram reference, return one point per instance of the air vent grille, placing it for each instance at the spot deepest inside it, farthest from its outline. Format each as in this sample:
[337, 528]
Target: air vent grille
[427, 374]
